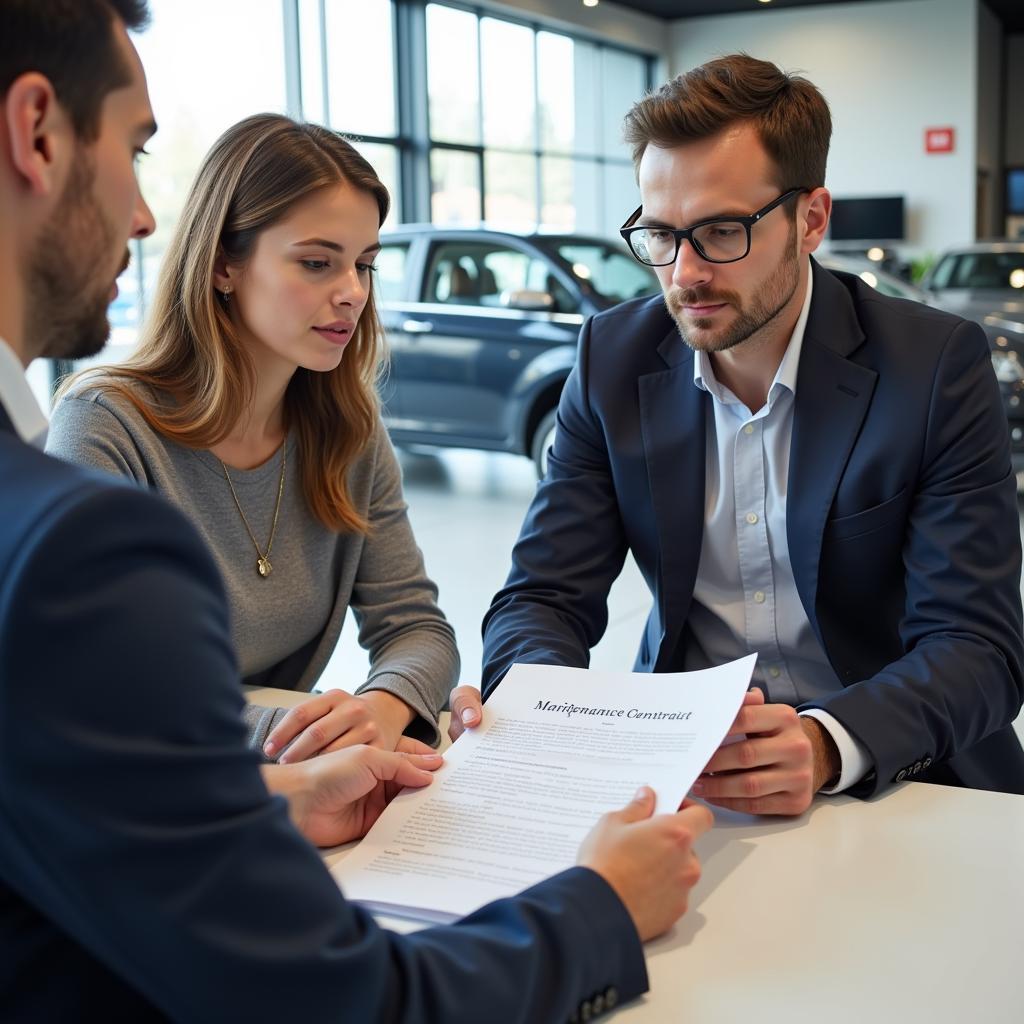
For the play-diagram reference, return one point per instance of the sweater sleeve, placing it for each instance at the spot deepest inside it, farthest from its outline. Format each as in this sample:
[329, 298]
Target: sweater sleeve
[411, 644]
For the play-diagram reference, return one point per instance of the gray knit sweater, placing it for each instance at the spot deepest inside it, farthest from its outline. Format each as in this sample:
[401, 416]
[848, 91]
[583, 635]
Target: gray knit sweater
[285, 626]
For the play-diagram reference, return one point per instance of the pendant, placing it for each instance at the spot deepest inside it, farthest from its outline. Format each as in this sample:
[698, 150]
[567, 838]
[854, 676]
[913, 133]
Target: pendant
[263, 567]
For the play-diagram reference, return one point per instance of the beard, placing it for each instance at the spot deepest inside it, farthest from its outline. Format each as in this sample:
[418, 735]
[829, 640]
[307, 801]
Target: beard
[767, 303]
[68, 287]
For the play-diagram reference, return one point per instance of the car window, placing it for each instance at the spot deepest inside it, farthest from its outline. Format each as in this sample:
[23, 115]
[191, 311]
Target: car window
[389, 282]
[613, 274]
[943, 272]
[485, 274]
[996, 270]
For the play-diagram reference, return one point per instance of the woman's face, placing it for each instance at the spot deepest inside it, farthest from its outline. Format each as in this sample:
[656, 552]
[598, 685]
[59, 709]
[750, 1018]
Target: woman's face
[298, 298]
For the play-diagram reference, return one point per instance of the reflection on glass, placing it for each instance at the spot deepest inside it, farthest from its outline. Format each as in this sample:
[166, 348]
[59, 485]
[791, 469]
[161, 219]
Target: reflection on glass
[511, 197]
[621, 196]
[390, 279]
[453, 75]
[385, 162]
[361, 66]
[624, 81]
[508, 87]
[454, 187]
[609, 271]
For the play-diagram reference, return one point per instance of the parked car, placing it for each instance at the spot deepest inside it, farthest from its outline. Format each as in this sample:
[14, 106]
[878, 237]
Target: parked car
[872, 274]
[482, 327]
[984, 282]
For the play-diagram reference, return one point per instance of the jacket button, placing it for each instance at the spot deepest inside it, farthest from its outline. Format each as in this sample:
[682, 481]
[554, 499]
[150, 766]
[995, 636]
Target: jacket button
[611, 997]
[597, 1003]
[586, 1011]
[927, 761]
[901, 775]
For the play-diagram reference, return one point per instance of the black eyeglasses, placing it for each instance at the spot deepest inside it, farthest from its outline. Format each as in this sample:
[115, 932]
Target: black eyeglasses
[717, 239]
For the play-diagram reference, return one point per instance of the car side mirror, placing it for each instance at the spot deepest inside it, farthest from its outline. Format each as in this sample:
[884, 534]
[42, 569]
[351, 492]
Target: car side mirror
[530, 301]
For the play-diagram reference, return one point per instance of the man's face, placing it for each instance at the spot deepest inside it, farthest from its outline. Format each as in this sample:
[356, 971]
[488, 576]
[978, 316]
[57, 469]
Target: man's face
[82, 248]
[720, 305]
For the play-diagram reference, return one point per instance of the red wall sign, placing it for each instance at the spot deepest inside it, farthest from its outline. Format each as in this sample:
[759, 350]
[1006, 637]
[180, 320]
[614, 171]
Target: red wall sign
[939, 140]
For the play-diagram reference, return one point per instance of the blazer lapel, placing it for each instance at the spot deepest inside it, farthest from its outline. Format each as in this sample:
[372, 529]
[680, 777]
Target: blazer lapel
[832, 398]
[673, 428]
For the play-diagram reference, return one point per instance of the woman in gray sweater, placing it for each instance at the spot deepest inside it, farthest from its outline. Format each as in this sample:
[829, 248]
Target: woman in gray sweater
[251, 404]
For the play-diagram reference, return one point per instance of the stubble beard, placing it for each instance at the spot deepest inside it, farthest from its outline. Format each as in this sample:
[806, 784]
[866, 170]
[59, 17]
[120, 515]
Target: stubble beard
[68, 286]
[767, 303]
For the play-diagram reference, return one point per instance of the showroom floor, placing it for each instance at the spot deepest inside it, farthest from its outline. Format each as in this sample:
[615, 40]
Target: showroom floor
[466, 508]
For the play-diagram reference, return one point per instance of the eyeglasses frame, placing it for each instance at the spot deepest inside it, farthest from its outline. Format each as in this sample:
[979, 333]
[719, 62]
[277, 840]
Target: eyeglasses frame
[686, 234]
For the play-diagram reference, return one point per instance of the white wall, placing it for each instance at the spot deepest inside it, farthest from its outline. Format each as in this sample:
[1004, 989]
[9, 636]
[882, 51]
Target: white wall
[989, 115]
[888, 71]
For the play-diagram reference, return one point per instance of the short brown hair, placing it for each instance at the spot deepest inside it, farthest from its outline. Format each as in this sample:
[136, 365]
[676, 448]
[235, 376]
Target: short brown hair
[789, 113]
[72, 43]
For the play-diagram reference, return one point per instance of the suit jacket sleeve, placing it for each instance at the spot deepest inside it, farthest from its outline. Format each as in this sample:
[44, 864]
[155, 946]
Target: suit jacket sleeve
[135, 819]
[553, 607]
[961, 678]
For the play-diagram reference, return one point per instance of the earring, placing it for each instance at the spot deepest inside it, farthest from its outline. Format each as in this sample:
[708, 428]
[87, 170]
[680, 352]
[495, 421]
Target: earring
[226, 293]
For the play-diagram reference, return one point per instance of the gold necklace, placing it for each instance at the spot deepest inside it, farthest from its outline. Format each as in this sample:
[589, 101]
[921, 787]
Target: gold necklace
[263, 566]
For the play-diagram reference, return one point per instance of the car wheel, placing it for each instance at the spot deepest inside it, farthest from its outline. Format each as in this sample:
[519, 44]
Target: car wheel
[543, 438]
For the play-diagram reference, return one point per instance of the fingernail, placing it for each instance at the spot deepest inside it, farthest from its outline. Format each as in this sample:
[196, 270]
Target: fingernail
[269, 748]
[432, 757]
[641, 793]
[468, 716]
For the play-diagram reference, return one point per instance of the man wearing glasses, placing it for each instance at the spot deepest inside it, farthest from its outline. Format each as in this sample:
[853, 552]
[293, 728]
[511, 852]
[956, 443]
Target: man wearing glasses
[800, 467]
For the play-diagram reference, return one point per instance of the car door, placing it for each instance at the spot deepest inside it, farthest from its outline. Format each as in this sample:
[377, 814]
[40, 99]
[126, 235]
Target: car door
[392, 284]
[462, 364]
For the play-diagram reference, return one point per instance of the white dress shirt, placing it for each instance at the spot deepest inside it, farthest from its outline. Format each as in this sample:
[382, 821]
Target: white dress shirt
[745, 598]
[17, 398]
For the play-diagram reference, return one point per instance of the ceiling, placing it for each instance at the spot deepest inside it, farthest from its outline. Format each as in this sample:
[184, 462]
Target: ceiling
[1010, 12]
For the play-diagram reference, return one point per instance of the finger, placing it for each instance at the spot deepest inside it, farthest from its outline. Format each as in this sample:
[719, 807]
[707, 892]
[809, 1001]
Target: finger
[697, 817]
[753, 696]
[745, 755]
[407, 745]
[347, 722]
[640, 807]
[296, 720]
[745, 785]
[403, 769]
[764, 718]
[466, 705]
[788, 804]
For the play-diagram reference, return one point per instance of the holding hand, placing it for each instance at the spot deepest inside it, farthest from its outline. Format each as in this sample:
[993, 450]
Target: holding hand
[782, 760]
[337, 797]
[648, 861]
[467, 710]
[336, 719]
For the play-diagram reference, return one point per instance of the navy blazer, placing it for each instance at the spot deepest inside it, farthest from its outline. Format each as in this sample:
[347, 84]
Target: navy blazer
[145, 871]
[902, 524]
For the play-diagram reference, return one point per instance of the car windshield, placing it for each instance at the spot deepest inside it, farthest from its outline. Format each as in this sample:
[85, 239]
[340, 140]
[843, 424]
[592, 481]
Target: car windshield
[605, 271]
[994, 270]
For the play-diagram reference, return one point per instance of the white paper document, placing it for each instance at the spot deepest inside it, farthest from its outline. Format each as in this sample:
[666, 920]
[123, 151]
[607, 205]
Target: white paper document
[558, 747]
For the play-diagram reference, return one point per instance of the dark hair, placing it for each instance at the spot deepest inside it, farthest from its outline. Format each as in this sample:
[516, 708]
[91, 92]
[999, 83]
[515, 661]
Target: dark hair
[71, 42]
[789, 113]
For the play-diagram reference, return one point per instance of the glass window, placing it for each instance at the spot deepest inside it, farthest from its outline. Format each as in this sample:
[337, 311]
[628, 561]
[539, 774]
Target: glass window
[361, 66]
[556, 91]
[607, 270]
[454, 187]
[453, 75]
[511, 196]
[390, 278]
[621, 196]
[384, 160]
[508, 87]
[624, 81]
[571, 191]
[311, 63]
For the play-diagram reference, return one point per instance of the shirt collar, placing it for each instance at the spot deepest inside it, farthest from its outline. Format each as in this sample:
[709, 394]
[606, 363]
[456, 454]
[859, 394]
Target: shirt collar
[18, 400]
[785, 375]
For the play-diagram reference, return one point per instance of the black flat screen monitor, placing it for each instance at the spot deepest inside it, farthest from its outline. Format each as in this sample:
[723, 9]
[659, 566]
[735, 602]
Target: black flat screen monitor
[867, 220]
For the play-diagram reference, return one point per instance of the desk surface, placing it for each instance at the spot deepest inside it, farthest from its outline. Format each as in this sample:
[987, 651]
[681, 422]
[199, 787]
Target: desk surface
[906, 908]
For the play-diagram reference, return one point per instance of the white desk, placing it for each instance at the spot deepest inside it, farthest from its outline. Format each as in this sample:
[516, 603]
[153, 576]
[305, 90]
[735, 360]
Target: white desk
[908, 908]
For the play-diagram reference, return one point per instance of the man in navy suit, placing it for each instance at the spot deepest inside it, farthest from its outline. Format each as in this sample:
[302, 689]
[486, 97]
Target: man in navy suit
[145, 870]
[800, 466]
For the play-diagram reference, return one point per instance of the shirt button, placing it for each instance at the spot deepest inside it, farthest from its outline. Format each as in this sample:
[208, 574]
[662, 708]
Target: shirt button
[751, 518]
[749, 428]
[759, 596]
[774, 672]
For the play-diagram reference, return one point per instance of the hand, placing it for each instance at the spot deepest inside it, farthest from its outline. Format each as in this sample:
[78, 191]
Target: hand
[336, 719]
[337, 797]
[467, 710]
[781, 762]
[648, 861]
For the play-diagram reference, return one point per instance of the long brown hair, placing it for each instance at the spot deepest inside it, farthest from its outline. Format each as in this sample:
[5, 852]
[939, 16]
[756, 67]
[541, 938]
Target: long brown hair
[254, 174]
[789, 113]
